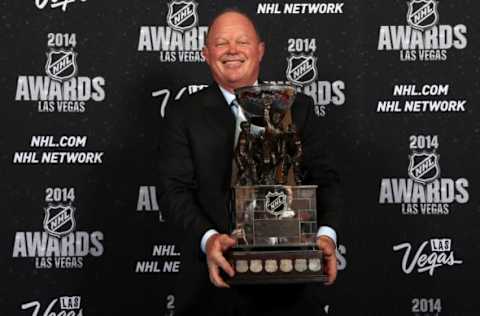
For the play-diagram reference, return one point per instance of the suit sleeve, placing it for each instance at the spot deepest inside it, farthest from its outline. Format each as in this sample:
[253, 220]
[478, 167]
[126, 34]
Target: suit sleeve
[320, 170]
[177, 192]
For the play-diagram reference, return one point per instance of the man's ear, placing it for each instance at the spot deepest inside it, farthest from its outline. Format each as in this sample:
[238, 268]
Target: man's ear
[205, 54]
[261, 50]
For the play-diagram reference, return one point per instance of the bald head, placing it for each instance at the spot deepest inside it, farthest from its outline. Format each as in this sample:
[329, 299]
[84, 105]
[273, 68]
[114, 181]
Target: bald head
[233, 10]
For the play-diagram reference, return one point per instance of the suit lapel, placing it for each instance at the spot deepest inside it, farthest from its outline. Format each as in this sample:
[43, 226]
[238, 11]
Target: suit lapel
[219, 116]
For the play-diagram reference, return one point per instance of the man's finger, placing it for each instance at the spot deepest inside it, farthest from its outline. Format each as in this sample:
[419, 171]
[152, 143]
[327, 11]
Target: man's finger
[211, 271]
[330, 269]
[215, 277]
[225, 265]
[327, 246]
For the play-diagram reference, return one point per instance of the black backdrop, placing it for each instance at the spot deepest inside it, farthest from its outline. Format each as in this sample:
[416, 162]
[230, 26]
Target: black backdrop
[81, 231]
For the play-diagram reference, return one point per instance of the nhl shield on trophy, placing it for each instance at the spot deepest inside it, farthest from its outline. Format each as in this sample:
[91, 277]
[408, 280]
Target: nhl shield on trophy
[275, 222]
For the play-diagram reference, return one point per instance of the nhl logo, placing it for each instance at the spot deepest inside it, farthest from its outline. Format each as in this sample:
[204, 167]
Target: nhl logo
[182, 15]
[301, 69]
[424, 167]
[422, 14]
[59, 220]
[61, 65]
[276, 203]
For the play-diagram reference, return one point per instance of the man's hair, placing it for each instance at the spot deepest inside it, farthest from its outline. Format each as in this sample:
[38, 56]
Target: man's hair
[238, 11]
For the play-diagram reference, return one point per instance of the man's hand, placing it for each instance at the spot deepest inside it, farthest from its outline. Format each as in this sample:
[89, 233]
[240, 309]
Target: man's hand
[327, 246]
[216, 246]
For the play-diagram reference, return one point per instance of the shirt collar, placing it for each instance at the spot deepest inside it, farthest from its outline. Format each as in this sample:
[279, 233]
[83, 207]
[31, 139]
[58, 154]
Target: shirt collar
[229, 97]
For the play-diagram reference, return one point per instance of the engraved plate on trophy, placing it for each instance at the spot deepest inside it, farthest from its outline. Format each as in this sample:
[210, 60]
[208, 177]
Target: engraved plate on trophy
[275, 222]
[286, 265]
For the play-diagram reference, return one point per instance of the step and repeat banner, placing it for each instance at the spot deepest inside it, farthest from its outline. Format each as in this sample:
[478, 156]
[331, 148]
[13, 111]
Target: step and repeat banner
[85, 87]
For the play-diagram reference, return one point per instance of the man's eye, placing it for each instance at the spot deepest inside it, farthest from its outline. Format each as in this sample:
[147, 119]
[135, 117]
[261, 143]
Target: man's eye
[221, 44]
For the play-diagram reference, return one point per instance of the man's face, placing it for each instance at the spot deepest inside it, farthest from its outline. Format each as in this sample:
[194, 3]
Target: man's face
[233, 51]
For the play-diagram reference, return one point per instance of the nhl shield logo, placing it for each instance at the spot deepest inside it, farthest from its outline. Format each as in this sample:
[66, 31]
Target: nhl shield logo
[61, 65]
[276, 203]
[59, 220]
[422, 14]
[301, 69]
[182, 15]
[424, 167]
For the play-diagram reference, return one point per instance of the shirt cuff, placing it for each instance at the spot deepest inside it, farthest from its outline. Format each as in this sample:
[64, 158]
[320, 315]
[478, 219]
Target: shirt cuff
[327, 231]
[208, 234]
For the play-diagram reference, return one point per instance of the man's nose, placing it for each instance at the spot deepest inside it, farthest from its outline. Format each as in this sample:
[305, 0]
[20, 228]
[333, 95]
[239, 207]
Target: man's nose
[232, 48]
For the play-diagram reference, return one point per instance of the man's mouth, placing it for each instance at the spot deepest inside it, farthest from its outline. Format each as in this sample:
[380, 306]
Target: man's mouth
[233, 62]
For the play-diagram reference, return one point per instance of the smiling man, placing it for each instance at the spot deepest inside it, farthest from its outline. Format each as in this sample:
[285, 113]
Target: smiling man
[233, 51]
[197, 142]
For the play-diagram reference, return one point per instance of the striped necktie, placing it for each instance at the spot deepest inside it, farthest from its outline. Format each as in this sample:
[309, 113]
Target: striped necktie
[239, 118]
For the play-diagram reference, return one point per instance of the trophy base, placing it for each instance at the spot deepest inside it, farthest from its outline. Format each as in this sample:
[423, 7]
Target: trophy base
[276, 267]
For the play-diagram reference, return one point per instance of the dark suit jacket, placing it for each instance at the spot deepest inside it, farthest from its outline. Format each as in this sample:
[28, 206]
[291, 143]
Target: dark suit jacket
[196, 153]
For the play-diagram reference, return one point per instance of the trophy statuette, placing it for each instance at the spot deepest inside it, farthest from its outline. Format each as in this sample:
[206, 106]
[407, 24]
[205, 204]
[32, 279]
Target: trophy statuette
[275, 222]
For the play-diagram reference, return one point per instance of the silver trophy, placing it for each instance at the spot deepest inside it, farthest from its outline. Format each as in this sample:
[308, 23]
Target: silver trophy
[275, 222]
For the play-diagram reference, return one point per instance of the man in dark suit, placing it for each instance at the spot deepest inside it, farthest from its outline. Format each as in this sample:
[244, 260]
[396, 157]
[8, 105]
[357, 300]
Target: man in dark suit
[197, 145]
